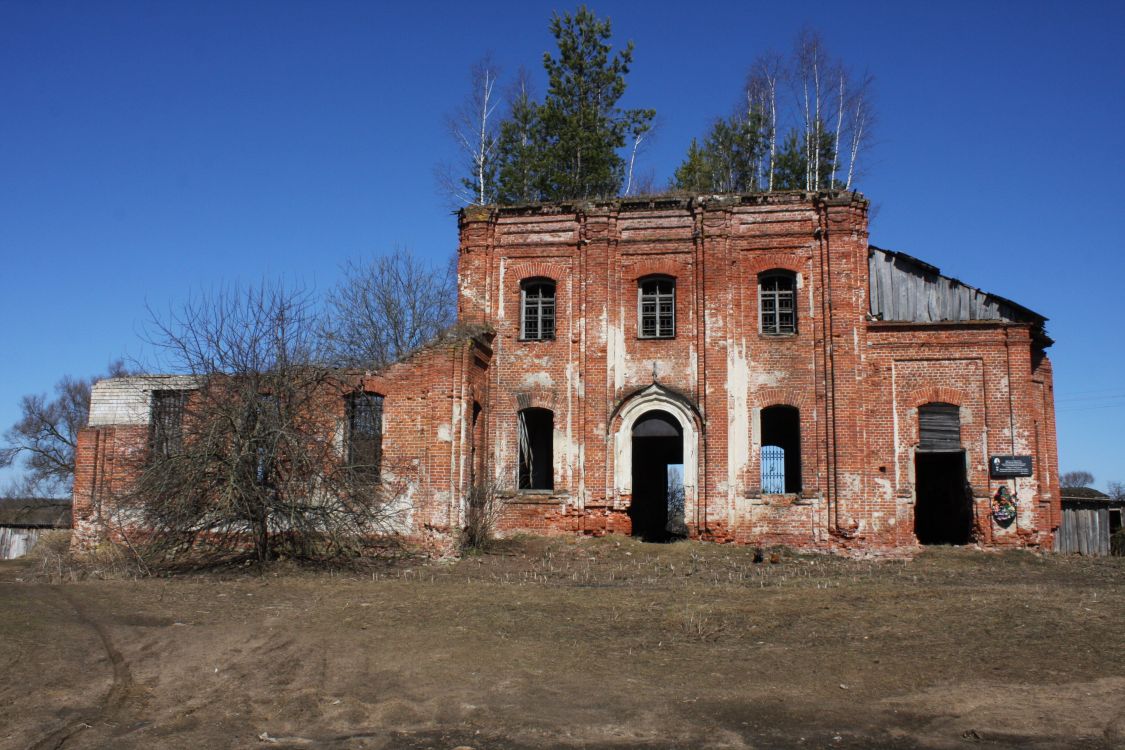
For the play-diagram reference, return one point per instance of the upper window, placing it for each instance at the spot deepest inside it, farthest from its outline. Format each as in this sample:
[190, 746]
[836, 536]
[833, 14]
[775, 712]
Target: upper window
[365, 432]
[166, 423]
[537, 306]
[656, 307]
[777, 309]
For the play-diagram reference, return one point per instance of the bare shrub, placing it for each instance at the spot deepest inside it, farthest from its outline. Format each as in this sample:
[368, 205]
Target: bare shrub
[257, 463]
[484, 508]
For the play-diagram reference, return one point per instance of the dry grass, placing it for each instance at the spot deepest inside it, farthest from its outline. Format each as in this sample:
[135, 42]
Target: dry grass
[579, 643]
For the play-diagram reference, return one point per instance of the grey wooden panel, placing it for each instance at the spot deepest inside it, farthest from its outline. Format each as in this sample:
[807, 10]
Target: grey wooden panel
[903, 289]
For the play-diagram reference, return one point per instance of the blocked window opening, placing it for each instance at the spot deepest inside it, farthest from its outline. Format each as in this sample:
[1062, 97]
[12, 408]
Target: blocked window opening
[777, 309]
[939, 427]
[166, 423]
[537, 446]
[781, 449]
[365, 432]
[657, 507]
[537, 302]
[656, 307]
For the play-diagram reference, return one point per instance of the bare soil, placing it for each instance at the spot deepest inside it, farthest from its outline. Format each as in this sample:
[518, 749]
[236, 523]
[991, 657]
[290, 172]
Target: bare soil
[593, 643]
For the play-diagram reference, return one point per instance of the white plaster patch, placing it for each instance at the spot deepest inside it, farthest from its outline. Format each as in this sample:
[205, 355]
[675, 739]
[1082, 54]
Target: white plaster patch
[500, 301]
[616, 356]
[738, 427]
[534, 379]
[443, 433]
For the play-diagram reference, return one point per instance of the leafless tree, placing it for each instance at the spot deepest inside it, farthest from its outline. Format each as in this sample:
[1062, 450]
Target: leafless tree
[808, 73]
[1076, 479]
[1116, 490]
[640, 130]
[761, 101]
[386, 308]
[475, 129]
[485, 505]
[256, 463]
[44, 438]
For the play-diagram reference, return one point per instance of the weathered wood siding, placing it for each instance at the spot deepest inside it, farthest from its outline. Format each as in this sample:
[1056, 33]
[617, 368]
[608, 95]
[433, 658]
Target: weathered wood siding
[15, 542]
[906, 289]
[1084, 529]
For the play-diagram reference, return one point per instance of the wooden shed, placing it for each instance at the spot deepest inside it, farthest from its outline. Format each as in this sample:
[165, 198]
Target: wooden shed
[1089, 519]
[22, 520]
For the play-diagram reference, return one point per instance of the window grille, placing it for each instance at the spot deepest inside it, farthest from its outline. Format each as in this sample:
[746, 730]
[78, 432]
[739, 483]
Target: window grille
[657, 308]
[776, 301]
[365, 432]
[167, 422]
[538, 303]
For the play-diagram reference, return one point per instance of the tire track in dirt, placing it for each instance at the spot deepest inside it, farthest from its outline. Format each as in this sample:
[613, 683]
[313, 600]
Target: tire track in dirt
[119, 690]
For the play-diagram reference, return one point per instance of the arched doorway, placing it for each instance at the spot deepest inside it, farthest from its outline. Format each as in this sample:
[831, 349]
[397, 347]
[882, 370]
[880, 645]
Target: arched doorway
[657, 507]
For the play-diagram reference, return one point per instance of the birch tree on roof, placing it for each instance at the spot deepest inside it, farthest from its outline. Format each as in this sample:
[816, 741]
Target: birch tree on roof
[811, 117]
[474, 127]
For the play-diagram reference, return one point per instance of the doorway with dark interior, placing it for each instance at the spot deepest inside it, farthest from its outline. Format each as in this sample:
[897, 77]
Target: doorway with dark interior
[657, 508]
[943, 509]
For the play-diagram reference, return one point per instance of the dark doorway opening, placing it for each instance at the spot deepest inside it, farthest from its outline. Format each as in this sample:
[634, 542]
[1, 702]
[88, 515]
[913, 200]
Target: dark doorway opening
[537, 448]
[943, 513]
[657, 509]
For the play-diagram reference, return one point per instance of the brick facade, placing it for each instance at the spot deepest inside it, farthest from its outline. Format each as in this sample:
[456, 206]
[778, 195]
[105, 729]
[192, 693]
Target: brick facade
[856, 381]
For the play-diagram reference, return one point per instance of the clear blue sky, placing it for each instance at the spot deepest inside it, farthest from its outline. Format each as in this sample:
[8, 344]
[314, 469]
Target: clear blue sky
[152, 148]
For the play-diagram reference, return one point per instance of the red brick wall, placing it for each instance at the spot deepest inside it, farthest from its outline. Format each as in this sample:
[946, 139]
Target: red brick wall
[856, 383]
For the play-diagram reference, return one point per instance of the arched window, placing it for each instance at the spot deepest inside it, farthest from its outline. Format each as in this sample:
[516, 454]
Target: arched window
[537, 446]
[656, 307]
[777, 309]
[781, 450]
[537, 309]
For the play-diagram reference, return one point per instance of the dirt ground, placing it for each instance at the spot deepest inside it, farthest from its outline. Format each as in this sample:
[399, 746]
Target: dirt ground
[594, 643]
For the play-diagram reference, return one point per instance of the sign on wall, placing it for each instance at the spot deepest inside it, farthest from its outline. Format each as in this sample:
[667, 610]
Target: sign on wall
[1006, 467]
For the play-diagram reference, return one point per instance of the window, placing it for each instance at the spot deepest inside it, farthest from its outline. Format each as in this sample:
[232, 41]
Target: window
[781, 450]
[365, 432]
[166, 423]
[777, 310]
[656, 308]
[265, 437]
[537, 447]
[537, 302]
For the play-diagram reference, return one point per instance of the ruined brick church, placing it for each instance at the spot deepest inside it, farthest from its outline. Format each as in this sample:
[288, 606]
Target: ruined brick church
[741, 368]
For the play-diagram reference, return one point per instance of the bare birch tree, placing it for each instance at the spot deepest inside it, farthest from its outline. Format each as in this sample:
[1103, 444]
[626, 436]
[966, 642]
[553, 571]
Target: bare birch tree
[761, 97]
[475, 129]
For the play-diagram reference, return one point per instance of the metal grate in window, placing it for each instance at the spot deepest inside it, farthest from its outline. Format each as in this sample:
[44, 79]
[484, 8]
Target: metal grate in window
[167, 422]
[776, 298]
[657, 309]
[365, 432]
[538, 311]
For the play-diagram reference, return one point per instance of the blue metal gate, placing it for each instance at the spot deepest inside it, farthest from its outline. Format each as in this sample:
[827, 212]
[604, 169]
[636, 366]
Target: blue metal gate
[773, 469]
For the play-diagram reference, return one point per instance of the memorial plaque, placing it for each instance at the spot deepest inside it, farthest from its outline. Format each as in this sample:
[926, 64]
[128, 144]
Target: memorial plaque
[1006, 467]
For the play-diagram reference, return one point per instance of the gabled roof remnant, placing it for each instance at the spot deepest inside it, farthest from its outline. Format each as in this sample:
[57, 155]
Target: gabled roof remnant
[906, 289]
[34, 512]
